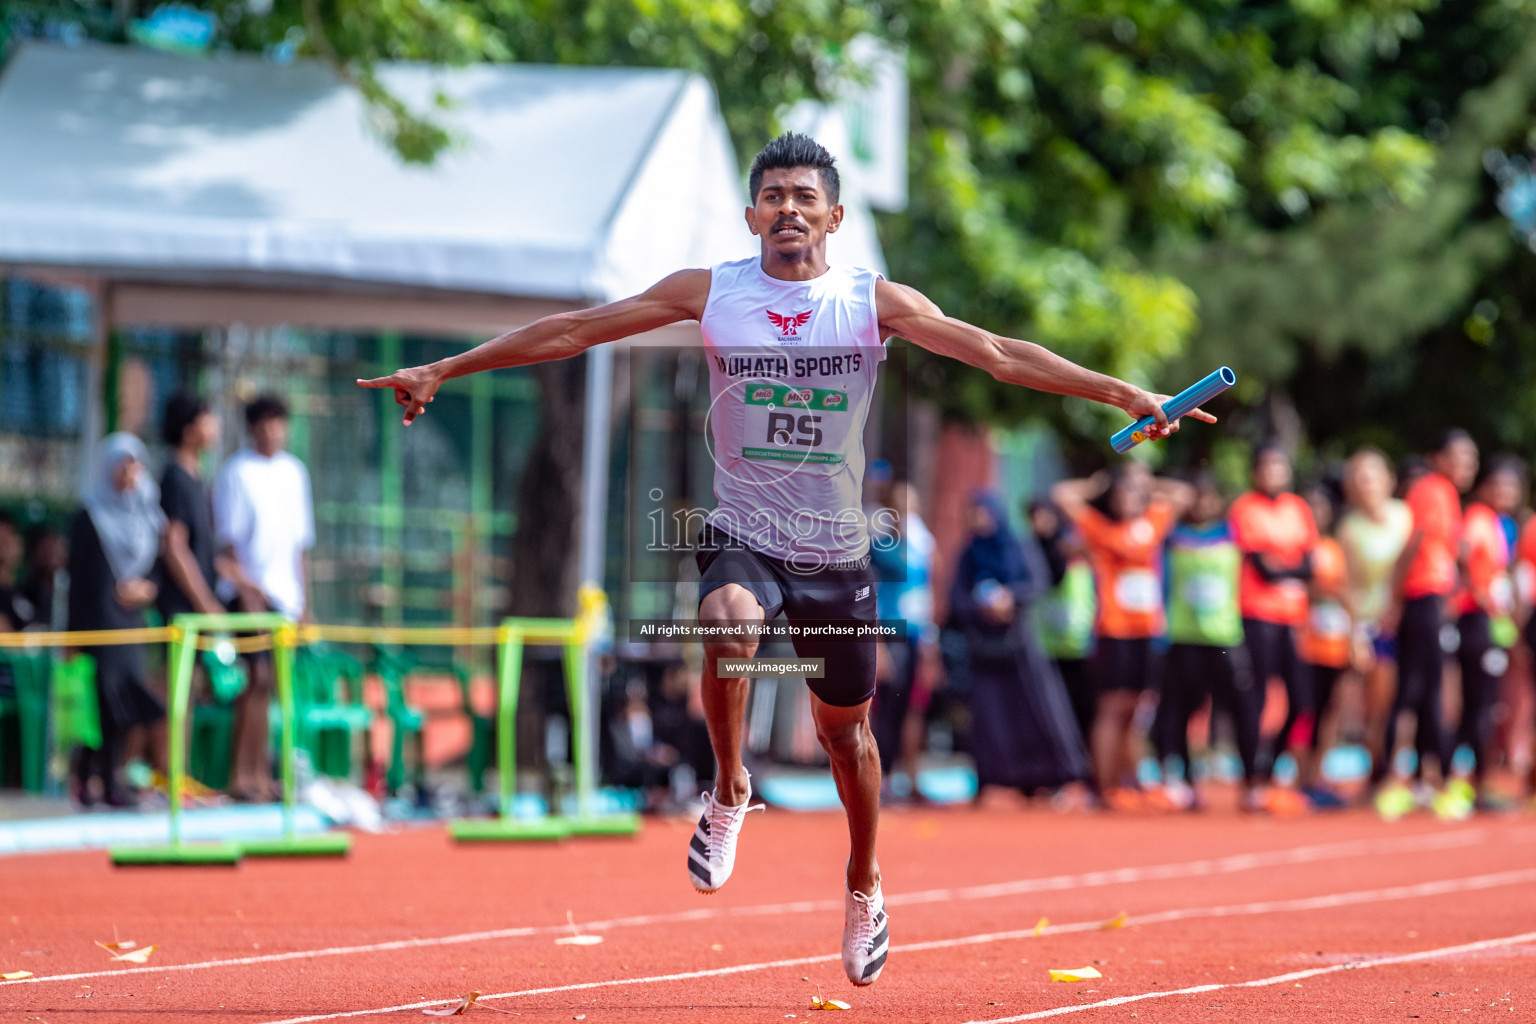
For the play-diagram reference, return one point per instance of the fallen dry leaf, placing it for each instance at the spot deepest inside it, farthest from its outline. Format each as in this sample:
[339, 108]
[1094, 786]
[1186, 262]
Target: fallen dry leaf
[1041, 925]
[16, 975]
[829, 1004]
[1074, 974]
[137, 956]
[457, 1009]
[1118, 921]
[118, 947]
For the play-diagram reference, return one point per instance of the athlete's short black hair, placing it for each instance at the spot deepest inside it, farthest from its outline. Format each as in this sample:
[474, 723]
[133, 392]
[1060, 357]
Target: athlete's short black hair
[1265, 450]
[1446, 438]
[265, 407]
[792, 150]
[181, 410]
[1503, 464]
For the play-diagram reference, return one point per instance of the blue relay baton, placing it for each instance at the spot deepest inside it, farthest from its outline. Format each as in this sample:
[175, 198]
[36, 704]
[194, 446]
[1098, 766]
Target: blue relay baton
[1181, 404]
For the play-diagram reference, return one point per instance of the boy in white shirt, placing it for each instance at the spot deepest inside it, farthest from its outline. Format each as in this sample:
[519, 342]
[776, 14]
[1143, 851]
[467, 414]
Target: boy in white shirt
[265, 525]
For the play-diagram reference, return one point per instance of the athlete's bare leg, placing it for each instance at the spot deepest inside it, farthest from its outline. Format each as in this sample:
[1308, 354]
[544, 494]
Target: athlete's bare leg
[847, 739]
[725, 700]
[1111, 727]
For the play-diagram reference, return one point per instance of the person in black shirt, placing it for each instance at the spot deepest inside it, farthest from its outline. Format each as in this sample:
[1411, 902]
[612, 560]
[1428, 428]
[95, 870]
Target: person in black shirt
[187, 554]
[113, 544]
[47, 560]
[16, 611]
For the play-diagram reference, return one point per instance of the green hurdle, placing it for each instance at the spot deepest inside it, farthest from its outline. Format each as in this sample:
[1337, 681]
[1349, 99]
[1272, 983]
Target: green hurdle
[571, 635]
[181, 657]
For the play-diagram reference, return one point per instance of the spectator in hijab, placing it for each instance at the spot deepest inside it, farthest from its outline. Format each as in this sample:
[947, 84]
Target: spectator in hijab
[188, 579]
[1023, 735]
[114, 541]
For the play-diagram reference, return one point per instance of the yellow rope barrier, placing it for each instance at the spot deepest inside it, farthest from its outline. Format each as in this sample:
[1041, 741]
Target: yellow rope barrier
[416, 636]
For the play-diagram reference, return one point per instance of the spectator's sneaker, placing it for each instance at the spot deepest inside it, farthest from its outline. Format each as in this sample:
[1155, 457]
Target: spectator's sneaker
[866, 936]
[1284, 802]
[1395, 800]
[1456, 802]
[1324, 799]
[1124, 800]
[1179, 796]
[712, 850]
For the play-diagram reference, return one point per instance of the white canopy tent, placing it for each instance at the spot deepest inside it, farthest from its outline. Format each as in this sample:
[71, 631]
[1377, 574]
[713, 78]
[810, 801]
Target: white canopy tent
[576, 184]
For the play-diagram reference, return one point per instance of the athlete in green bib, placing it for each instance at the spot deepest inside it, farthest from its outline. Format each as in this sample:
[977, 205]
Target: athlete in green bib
[1205, 655]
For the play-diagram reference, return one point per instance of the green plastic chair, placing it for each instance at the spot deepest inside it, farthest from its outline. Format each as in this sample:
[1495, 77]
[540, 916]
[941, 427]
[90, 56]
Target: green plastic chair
[392, 665]
[482, 747]
[213, 723]
[327, 725]
[28, 707]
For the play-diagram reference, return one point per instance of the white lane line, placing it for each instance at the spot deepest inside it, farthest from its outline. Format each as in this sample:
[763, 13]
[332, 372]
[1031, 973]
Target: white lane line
[1199, 868]
[1120, 876]
[1278, 979]
[1400, 892]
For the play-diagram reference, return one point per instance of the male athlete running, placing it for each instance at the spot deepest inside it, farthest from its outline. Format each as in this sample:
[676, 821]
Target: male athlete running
[794, 346]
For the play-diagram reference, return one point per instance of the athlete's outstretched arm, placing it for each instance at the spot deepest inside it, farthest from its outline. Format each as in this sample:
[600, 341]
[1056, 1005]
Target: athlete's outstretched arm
[907, 313]
[680, 296]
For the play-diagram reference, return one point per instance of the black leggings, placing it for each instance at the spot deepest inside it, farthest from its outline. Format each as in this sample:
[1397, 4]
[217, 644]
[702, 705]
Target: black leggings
[1080, 692]
[1482, 668]
[892, 699]
[1323, 679]
[1272, 651]
[1420, 667]
[1193, 672]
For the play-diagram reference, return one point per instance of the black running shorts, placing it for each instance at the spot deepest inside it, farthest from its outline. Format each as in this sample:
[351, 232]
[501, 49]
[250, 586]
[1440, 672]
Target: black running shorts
[843, 594]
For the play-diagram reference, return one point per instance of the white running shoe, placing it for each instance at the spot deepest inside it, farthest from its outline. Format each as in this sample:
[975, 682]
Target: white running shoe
[712, 850]
[866, 936]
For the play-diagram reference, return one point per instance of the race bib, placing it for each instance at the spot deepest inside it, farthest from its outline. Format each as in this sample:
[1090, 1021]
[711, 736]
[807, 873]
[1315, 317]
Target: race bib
[1502, 592]
[1137, 590]
[1207, 592]
[783, 423]
[1329, 619]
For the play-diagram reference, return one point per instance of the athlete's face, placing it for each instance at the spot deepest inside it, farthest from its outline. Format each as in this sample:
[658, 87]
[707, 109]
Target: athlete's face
[1272, 473]
[1503, 492]
[1457, 461]
[1368, 481]
[791, 213]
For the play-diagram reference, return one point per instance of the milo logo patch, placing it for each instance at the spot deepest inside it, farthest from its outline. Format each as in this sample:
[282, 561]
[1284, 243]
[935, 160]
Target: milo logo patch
[832, 401]
[762, 395]
[798, 397]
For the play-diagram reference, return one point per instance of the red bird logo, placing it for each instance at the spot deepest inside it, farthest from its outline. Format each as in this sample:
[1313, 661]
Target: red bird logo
[789, 324]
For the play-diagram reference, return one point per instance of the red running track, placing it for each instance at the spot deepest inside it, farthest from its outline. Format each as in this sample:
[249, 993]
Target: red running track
[1338, 918]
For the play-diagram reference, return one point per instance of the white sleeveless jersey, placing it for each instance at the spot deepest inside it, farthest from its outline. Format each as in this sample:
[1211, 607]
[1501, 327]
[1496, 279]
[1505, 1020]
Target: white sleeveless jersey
[792, 369]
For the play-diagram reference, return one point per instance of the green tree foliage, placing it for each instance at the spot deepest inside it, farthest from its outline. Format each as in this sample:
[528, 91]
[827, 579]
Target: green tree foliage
[1127, 180]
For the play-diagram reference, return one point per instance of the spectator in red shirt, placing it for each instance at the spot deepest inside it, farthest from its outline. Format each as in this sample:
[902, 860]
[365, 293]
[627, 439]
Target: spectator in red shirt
[1426, 575]
[1485, 606]
[1275, 531]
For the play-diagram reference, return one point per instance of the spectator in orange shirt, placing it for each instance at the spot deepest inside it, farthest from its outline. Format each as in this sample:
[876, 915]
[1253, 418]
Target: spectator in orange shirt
[1276, 533]
[1425, 576]
[1485, 606]
[1325, 644]
[1123, 516]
